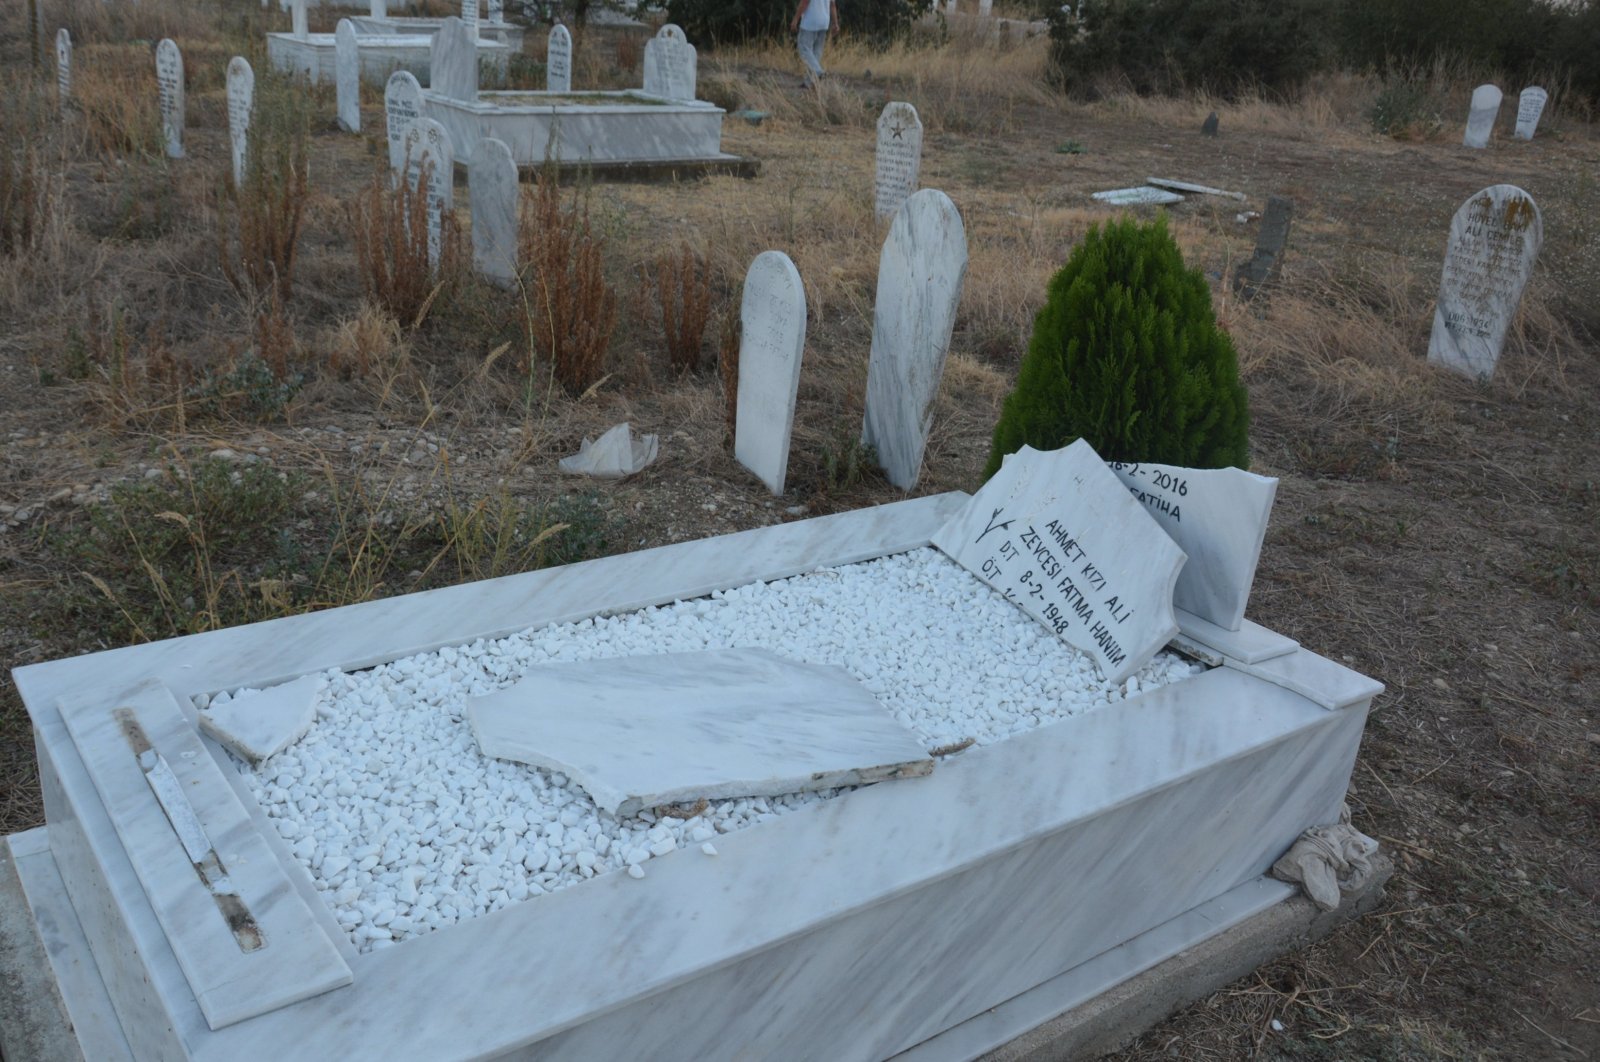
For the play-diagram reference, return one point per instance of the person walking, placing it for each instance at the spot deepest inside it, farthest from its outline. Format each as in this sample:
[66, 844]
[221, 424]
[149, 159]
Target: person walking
[813, 24]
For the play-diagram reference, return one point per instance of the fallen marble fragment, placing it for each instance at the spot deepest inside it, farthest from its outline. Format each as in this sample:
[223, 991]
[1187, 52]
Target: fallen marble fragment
[256, 726]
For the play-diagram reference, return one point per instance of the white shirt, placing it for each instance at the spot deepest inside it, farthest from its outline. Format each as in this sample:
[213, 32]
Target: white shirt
[816, 16]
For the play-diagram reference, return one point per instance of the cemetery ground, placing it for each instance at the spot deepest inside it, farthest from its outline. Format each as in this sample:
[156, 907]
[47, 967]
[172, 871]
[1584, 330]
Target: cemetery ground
[1438, 534]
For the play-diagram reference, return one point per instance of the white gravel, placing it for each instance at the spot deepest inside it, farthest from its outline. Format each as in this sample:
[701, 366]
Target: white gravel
[406, 827]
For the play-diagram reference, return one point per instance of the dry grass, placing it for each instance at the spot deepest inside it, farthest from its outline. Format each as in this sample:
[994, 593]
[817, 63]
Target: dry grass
[389, 226]
[572, 307]
[682, 287]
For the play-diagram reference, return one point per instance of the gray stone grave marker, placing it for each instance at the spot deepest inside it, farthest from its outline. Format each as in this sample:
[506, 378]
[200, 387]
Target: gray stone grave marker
[428, 149]
[899, 162]
[63, 67]
[1218, 516]
[558, 60]
[469, 18]
[169, 78]
[492, 183]
[920, 273]
[1494, 239]
[670, 66]
[1209, 126]
[402, 106]
[241, 108]
[1263, 267]
[378, 8]
[1062, 539]
[1530, 108]
[298, 23]
[347, 76]
[1481, 117]
[772, 317]
[453, 61]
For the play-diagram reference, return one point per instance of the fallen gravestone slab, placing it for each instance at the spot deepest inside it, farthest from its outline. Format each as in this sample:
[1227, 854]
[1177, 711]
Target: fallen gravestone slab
[614, 455]
[257, 726]
[639, 732]
[1143, 195]
[1185, 186]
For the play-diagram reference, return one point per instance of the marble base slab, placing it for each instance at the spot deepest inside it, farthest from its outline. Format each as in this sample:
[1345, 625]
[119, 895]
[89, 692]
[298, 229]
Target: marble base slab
[639, 732]
[541, 126]
[381, 55]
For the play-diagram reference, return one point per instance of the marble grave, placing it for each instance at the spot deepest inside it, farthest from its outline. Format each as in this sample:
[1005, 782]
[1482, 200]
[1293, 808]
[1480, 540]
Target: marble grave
[1494, 239]
[1481, 116]
[241, 108]
[899, 158]
[558, 60]
[670, 66]
[1530, 108]
[495, 195]
[315, 55]
[169, 79]
[772, 339]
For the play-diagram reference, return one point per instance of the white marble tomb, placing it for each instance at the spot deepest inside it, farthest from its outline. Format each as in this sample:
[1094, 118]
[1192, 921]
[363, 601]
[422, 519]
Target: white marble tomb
[1059, 535]
[1494, 239]
[1481, 116]
[495, 193]
[241, 109]
[772, 339]
[1530, 108]
[920, 273]
[645, 731]
[169, 79]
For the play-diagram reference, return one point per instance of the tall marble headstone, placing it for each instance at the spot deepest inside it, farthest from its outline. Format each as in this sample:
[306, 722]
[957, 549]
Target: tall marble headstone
[772, 317]
[1494, 239]
[1481, 117]
[558, 60]
[1530, 108]
[378, 8]
[1218, 516]
[492, 183]
[347, 76]
[469, 17]
[299, 26]
[402, 106]
[1062, 539]
[241, 107]
[428, 152]
[920, 273]
[63, 66]
[169, 78]
[453, 61]
[670, 67]
[899, 158]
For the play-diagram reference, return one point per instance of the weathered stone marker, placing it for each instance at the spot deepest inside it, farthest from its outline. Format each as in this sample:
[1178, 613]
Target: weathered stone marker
[428, 151]
[772, 338]
[169, 77]
[1494, 239]
[1209, 126]
[1059, 535]
[920, 273]
[402, 106]
[1218, 516]
[1263, 267]
[1530, 108]
[63, 67]
[453, 61]
[469, 18]
[1481, 116]
[899, 162]
[492, 183]
[670, 66]
[558, 60]
[347, 76]
[496, 11]
[241, 108]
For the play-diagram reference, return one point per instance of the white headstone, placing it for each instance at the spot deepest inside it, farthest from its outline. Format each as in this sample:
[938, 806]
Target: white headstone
[671, 32]
[453, 62]
[1530, 108]
[492, 183]
[899, 158]
[428, 148]
[920, 272]
[169, 77]
[496, 11]
[378, 8]
[985, 8]
[1060, 536]
[402, 106]
[241, 107]
[469, 17]
[1481, 118]
[558, 60]
[670, 68]
[298, 25]
[63, 66]
[772, 316]
[347, 76]
[1494, 239]
[1218, 516]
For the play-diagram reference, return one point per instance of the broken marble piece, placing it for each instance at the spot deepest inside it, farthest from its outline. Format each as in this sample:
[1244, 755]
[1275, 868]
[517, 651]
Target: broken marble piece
[1185, 186]
[1143, 195]
[257, 726]
[642, 731]
[614, 455]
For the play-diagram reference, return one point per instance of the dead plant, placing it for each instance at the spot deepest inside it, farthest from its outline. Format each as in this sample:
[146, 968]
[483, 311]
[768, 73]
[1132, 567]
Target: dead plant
[268, 211]
[113, 87]
[572, 310]
[25, 199]
[728, 363]
[390, 224]
[682, 285]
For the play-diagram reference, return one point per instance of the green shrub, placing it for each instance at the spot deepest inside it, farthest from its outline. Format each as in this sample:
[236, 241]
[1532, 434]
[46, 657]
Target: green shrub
[1126, 354]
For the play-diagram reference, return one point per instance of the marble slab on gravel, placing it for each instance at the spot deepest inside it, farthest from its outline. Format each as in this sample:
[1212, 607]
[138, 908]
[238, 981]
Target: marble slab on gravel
[639, 732]
[257, 726]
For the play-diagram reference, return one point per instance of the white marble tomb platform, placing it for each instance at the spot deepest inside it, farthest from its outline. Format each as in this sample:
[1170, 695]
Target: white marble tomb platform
[565, 127]
[643, 731]
[940, 915]
[381, 55]
[506, 33]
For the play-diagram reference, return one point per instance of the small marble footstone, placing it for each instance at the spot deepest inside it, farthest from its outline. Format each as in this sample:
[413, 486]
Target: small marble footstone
[639, 732]
[1059, 535]
[1494, 239]
[1219, 517]
[258, 726]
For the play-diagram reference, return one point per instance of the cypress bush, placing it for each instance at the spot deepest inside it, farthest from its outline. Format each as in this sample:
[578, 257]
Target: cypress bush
[1127, 354]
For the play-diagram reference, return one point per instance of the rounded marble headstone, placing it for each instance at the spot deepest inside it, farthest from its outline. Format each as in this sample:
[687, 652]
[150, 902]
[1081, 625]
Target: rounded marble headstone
[558, 60]
[428, 150]
[1494, 239]
[899, 158]
[169, 78]
[670, 67]
[1530, 108]
[920, 274]
[241, 107]
[672, 32]
[402, 106]
[453, 61]
[772, 338]
[347, 76]
[63, 66]
[1481, 117]
[492, 184]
